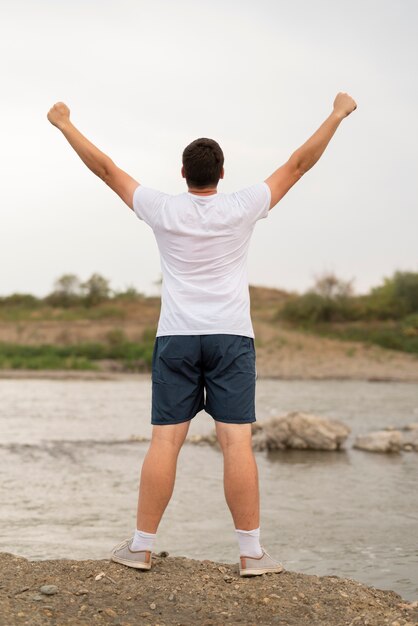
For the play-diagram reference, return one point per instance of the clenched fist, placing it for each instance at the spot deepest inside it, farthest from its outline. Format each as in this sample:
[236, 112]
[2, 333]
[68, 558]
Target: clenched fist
[344, 104]
[59, 114]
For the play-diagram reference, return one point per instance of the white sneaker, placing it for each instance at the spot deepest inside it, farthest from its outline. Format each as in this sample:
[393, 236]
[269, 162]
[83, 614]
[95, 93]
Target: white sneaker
[253, 566]
[140, 559]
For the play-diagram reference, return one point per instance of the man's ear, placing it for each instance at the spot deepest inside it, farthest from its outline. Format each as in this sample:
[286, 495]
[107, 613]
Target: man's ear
[222, 173]
[182, 172]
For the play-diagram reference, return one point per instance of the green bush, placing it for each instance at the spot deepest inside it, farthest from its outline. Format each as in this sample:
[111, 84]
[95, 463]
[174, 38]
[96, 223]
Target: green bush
[130, 294]
[20, 300]
[409, 325]
[19, 306]
[312, 308]
[397, 297]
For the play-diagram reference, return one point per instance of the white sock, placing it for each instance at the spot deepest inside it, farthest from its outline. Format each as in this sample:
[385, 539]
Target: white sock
[143, 541]
[249, 542]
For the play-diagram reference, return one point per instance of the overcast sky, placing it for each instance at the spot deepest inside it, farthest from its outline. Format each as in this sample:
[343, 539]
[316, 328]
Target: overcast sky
[143, 79]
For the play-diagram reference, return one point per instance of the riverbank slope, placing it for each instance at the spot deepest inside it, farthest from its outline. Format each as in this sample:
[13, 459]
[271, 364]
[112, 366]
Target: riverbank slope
[283, 351]
[180, 591]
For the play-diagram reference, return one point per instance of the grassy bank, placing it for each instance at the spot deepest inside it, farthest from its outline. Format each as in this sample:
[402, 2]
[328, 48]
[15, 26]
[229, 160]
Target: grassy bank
[387, 316]
[132, 356]
[401, 336]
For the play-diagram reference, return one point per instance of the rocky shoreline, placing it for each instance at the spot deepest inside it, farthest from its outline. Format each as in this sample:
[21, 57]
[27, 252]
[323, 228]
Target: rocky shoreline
[180, 591]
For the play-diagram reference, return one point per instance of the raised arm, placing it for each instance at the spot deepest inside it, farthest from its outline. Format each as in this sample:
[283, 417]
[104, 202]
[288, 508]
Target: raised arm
[308, 154]
[98, 162]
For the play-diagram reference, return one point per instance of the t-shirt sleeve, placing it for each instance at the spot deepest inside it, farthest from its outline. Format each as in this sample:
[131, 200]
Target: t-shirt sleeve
[254, 202]
[147, 204]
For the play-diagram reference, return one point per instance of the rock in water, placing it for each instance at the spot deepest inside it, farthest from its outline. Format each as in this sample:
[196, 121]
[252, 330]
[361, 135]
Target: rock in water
[300, 431]
[380, 441]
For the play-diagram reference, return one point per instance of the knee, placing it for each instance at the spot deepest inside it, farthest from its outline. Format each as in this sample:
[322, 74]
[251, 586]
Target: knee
[232, 437]
[170, 436]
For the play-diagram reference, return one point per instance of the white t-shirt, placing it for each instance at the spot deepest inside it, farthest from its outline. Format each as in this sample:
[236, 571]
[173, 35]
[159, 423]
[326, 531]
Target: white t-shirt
[203, 243]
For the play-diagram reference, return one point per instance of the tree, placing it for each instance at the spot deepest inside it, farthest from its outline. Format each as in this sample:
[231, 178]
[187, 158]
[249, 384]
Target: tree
[329, 286]
[96, 289]
[67, 284]
[329, 300]
[67, 291]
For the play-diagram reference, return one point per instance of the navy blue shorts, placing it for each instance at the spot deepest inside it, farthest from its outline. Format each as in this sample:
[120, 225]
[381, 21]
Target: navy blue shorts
[216, 373]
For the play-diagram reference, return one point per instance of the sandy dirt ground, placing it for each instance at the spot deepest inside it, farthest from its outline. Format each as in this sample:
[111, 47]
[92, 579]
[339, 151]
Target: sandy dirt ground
[291, 354]
[179, 591]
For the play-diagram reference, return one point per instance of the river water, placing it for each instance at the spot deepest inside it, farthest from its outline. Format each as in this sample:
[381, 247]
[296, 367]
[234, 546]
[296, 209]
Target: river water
[69, 472]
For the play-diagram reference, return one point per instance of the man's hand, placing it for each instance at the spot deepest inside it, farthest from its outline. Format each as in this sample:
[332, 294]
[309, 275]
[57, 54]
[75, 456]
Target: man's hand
[344, 104]
[59, 114]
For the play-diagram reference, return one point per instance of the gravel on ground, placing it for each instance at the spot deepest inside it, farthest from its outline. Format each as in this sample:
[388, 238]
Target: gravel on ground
[182, 592]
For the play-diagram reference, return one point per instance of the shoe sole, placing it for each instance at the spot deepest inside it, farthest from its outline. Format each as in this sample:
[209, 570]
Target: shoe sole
[136, 565]
[258, 572]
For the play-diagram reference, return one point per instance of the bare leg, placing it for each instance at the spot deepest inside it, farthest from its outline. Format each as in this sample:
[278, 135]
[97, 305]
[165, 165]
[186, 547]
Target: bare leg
[240, 474]
[158, 474]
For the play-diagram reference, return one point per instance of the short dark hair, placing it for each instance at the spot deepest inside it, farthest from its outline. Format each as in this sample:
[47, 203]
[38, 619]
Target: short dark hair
[203, 161]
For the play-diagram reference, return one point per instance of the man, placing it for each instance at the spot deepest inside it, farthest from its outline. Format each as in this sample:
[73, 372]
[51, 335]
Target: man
[204, 356]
